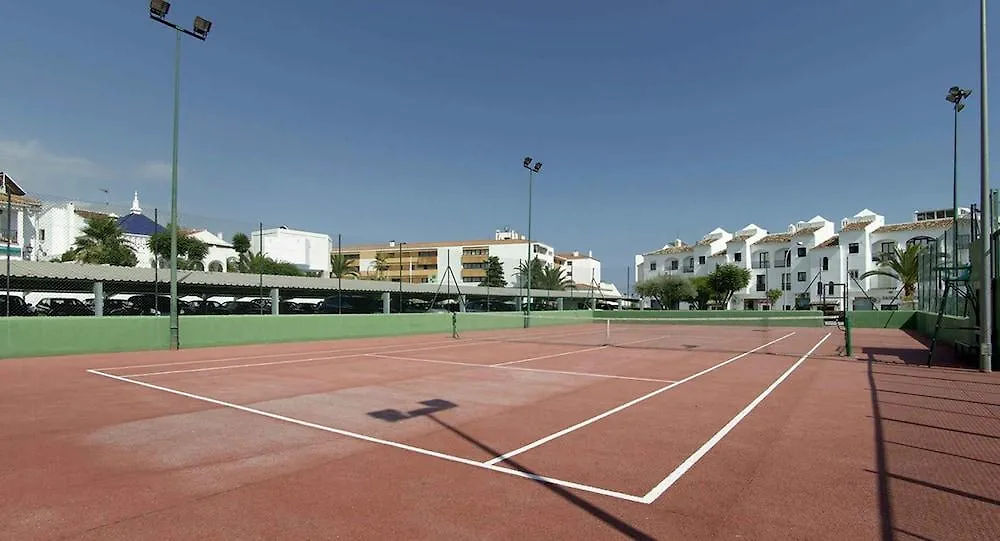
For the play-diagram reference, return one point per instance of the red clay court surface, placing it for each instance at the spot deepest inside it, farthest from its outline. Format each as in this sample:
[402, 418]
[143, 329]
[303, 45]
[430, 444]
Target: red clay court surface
[706, 433]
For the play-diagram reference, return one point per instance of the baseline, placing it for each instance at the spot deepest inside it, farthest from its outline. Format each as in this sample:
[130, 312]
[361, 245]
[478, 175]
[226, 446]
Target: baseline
[678, 472]
[419, 450]
[504, 367]
[629, 404]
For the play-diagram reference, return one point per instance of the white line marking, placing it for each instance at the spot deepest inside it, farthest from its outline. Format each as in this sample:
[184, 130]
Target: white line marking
[293, 361]
[272, 355]
[474, 365]
[629, 404]
[452, 458]
[663, 485]
[359, 349]
[550, 356]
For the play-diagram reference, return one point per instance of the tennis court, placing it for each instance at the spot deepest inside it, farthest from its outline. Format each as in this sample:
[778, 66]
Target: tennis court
[587, 428]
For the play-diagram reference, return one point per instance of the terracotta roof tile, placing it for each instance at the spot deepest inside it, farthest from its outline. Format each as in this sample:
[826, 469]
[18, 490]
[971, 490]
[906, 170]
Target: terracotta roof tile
[942, 223]
[856, 226]
[673, 250]
[775, 238]
[721, 252]
[809, 229]
[87, 214]
[829, 243]
[740, 238]
[571, 255]
[21, 201]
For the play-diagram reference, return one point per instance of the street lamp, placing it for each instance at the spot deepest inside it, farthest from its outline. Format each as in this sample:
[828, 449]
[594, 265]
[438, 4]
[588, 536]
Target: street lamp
[532, 169]
[158, 10]
[400, 244]
[955, 97]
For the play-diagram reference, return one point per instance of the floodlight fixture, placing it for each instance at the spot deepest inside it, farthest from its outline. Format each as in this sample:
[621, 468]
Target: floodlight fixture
[201, 27]
[538, 166]
[527, 161]
[159, 8]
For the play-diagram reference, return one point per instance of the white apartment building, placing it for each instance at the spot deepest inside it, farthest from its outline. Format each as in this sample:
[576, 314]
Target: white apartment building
[309, 251]
[17, 229]
[807, 254]
[579, 268]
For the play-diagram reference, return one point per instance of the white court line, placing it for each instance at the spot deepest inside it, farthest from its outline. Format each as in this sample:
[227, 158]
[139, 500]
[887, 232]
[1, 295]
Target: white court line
[331, 350]
[663, 485]
[271, 355]
[474, 365]
[550, 356]
[293, 361]
[452, 458]
[628, 404]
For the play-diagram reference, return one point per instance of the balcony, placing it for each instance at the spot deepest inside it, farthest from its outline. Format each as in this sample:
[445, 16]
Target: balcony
[760, 265]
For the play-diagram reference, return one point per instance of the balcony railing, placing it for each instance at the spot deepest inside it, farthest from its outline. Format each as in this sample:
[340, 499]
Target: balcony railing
[761, 265]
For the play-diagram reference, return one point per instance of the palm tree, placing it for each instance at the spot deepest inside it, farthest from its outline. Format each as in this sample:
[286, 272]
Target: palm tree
[103, 242]
[553, 278]
[903, 266]
[380, 265]
[537, 268]
[341, 267]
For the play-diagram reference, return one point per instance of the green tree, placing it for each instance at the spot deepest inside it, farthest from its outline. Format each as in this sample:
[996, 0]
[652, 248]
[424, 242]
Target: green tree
[241, 243]
[341, 266]
[903, 266]
[726, 280]
[379, 266]
[773, 295]
[669, 290]
[261, 264]
[191, 252]
[704, 293]
[537, 270]
[103, 242]
[551, 278]
[494, 273]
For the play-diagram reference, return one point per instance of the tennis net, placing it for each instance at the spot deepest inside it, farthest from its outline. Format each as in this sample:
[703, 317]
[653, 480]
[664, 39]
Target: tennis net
[680, 332]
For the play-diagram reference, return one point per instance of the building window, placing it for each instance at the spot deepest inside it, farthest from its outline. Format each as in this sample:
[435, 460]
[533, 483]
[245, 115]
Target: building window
[801, 251]
[761, 282]
[701, 260]
[887, 247]
[826, 263]
[853, 273]
[786, 281]
[852, 248]
[41, 235]
[673, 264]
[652, 266]
[738, 256]
[819, 288]
[801, 277]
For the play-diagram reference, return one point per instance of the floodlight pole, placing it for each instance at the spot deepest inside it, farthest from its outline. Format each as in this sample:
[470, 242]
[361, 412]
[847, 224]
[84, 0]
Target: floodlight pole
[985, 273]
[528, 262]
[955, 97]
[178, 30]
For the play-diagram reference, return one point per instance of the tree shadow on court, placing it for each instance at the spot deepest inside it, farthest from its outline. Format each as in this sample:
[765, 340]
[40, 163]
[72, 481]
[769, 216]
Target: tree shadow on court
[621, 526]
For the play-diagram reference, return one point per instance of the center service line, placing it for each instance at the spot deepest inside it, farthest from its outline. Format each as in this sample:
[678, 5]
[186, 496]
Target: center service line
[629, 404]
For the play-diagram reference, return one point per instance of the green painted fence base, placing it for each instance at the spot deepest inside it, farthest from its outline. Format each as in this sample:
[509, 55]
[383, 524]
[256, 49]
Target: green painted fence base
[42, 336]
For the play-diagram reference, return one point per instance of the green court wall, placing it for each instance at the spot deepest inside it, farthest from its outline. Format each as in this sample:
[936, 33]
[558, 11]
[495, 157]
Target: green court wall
[791, 318]
[41, 336]
[883, 319]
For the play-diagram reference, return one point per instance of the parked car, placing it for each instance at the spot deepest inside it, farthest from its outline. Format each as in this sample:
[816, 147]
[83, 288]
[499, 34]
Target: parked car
[207, 307]
[150, 304]
[17, 306]
[351, 303]
[60, 306]
[244, 307]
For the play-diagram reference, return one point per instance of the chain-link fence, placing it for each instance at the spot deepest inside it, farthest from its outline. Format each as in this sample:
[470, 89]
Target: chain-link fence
[938, 262]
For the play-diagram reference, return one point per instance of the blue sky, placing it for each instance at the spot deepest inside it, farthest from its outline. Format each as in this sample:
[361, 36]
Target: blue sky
[408, 120]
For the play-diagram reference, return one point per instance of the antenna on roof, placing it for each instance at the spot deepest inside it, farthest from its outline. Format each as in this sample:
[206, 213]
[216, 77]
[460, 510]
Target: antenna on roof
[107, 197]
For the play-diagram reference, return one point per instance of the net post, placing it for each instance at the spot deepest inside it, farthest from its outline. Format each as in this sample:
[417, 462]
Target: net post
[607, 332]
[848, 345]
[454, 325]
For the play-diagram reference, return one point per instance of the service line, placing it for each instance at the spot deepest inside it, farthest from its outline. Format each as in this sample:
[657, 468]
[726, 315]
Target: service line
[420, 450]
[666, 483]
[628, 404]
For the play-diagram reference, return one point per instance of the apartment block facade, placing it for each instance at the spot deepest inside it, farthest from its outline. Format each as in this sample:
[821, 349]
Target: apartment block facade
[803, 260]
